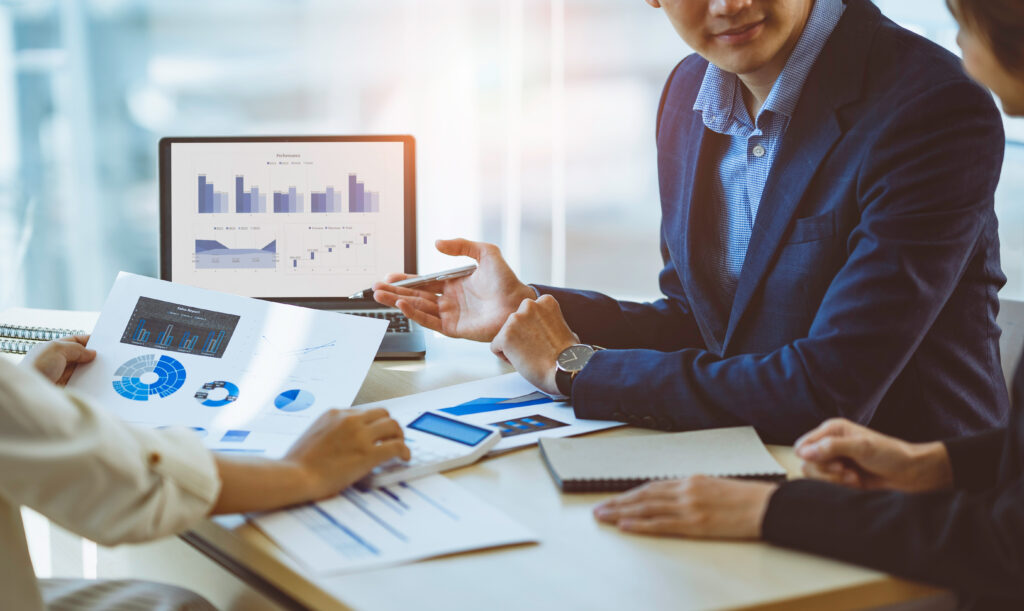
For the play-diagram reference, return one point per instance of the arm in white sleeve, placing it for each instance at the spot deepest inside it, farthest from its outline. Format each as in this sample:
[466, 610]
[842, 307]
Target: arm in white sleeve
[93, 474]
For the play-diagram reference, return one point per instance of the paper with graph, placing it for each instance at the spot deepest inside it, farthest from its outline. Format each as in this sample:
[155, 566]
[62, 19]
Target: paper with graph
[247, 375]
[366, 529]
[509, 402]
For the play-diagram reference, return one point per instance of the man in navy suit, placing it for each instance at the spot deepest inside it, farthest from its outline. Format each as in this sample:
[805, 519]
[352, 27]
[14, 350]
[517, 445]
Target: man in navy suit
[828, 234]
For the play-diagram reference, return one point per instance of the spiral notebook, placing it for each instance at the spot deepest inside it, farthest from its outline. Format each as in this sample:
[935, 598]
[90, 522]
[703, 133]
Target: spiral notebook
[611, 464]
[23, 328]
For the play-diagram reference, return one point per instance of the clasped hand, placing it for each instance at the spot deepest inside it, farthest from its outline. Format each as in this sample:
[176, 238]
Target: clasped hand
[846, 453]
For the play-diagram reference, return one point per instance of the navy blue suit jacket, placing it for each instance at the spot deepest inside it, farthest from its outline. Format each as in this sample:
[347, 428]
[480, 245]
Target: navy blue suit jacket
[870, 284]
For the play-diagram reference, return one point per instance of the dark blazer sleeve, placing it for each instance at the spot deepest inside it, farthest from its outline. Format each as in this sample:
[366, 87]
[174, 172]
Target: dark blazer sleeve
[924, 209]
[975, 459]
[970, 542]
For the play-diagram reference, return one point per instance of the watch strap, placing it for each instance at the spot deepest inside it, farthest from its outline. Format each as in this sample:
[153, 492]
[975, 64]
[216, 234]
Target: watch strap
[563, 380]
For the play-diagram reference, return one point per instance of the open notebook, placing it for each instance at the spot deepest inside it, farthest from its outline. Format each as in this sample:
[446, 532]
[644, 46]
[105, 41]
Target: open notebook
[619, 463]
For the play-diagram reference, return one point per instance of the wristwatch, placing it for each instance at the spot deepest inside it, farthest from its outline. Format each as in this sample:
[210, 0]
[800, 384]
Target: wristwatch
[569, 363]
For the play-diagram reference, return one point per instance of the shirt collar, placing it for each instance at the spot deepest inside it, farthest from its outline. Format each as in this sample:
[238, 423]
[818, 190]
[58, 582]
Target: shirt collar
[720, 101]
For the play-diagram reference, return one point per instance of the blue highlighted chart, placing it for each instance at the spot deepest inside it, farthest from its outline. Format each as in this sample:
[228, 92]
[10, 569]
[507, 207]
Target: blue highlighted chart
[147, 375]
[217, 394]
[198, 430]
[294, 400]
[496, 404]
[529, 424]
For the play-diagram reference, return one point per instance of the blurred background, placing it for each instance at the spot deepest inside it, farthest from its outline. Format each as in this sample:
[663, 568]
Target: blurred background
[540, 111]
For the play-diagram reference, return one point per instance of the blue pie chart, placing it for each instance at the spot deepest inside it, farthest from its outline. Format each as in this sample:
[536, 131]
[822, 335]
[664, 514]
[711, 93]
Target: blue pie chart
[294, 400]
[147, 375]
[217, 394]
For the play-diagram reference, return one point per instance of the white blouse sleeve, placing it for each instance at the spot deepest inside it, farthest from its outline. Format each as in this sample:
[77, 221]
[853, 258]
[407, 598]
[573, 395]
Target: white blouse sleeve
[93, 474]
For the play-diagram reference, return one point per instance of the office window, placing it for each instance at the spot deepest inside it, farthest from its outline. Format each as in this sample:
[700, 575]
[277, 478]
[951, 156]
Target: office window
[535, 123]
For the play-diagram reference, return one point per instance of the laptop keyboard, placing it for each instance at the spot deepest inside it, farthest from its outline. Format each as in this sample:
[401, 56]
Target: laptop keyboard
[397, 322]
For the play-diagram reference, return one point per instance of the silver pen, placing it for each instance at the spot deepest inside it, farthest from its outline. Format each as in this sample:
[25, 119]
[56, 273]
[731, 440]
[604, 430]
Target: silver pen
[448, 274]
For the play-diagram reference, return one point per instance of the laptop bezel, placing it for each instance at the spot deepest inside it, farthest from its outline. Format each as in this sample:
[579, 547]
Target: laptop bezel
[341, 301]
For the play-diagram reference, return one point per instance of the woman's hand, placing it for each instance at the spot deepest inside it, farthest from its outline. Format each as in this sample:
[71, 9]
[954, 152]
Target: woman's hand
[344, 445]
[58, 359]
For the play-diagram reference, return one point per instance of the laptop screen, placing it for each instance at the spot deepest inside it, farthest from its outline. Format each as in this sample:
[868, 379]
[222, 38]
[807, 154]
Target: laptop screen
[290, 219]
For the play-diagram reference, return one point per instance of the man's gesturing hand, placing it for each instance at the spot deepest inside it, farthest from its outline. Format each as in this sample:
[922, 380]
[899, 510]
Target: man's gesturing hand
[531, 340]
[473, 307]
[57, 359]
[698, 506]
[843, 452]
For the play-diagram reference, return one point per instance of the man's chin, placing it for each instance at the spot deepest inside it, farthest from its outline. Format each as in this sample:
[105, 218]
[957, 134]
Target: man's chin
[740, 61]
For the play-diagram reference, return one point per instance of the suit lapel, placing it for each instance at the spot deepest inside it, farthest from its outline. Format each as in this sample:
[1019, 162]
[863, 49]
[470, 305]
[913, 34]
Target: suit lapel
[809, 138]
[693, 230]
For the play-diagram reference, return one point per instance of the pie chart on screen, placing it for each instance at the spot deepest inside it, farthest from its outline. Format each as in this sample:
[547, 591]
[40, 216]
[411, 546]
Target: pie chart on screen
[294, 400]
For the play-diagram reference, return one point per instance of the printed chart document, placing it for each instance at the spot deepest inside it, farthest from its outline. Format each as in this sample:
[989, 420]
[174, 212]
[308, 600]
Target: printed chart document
[248, 376]
[509, 402]
[360, 530]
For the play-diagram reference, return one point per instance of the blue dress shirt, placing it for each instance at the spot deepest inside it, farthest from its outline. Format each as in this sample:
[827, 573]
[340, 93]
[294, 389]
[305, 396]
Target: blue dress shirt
[745, 159]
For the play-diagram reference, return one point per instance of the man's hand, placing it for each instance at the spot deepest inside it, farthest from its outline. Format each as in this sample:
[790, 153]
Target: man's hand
[531, 340]
[473, 307]
[842, 452]
[698, 506]
[344, 445]
[58, 359]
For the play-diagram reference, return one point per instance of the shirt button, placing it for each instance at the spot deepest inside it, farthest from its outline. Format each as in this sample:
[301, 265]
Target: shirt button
[759, 151]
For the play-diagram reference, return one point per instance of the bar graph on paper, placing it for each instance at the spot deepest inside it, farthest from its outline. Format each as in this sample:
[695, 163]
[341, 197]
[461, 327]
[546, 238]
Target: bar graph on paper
[179, 328]
[245, 198]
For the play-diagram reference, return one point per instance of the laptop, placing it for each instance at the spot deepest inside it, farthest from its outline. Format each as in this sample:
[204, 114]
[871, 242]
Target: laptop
[303, 220]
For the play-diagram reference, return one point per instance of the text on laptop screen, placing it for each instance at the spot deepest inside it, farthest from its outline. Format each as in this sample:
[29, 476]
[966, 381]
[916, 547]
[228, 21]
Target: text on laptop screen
[286, 219]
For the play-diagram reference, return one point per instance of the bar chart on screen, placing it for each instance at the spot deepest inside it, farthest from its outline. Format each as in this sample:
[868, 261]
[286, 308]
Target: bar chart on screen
[290, 198]
[330, 249]
[286, 219]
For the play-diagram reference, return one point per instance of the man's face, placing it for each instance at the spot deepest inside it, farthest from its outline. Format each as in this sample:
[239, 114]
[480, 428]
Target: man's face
[739, 36]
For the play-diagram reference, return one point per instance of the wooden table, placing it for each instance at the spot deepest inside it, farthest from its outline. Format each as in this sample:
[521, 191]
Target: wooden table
[579, 563]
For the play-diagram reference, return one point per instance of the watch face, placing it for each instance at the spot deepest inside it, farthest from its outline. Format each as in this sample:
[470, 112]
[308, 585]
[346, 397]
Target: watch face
[575, 357]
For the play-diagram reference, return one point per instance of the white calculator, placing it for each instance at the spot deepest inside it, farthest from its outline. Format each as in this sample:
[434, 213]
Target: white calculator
[438, 442]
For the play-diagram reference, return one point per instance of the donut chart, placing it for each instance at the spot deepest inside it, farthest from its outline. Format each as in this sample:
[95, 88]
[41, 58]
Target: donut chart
[206, 394]
[139, 378]
[294, 400]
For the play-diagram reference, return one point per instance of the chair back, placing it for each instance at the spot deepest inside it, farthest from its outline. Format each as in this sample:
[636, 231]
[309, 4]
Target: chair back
[1011, 343]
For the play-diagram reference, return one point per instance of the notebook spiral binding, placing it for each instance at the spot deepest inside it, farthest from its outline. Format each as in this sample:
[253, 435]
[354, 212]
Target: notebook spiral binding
[15, 339]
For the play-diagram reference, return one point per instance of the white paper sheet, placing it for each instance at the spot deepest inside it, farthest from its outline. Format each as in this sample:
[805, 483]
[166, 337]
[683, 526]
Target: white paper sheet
[248, 375]
[508, 401]
[361, 530]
